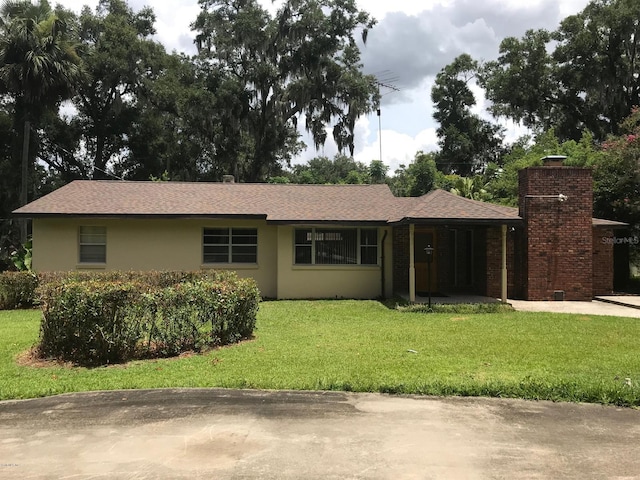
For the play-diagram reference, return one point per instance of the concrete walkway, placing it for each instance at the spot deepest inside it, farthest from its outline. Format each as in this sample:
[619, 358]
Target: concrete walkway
[617, 306]
[612, 305]
[231, 434]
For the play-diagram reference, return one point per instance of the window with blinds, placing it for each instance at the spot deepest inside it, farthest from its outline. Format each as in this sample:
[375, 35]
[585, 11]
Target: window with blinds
[93, 244]
[336, 246]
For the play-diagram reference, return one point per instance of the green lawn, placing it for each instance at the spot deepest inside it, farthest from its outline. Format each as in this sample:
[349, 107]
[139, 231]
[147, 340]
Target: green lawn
[363, 346]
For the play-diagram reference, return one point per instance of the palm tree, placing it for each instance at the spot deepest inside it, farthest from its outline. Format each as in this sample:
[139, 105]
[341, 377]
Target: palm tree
[39, 67]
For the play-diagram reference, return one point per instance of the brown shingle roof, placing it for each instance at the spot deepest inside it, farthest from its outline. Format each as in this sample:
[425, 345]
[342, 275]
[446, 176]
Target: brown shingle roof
[275, 202]
[440, 205]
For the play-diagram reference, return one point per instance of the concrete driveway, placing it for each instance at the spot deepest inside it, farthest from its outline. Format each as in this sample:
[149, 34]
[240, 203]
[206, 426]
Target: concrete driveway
[230, 434]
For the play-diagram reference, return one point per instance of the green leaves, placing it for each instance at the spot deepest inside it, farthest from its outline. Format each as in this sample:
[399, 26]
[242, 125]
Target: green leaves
[467, 142]
[38, 62]
[301, 62]
[100, 319]
[583, 76]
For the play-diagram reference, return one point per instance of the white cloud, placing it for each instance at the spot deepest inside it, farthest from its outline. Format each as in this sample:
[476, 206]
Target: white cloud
[397, 148]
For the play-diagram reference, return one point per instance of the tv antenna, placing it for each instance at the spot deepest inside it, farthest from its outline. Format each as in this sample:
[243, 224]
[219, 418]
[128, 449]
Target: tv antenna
[384, 79]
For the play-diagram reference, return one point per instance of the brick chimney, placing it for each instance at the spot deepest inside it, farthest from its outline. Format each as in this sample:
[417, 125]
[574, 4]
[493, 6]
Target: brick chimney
[556, 203]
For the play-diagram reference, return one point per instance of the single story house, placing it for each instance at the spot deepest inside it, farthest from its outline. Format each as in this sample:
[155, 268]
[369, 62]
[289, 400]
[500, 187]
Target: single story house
[345, 241]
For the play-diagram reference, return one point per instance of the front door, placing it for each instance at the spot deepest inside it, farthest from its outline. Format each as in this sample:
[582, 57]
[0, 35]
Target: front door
[424, 238]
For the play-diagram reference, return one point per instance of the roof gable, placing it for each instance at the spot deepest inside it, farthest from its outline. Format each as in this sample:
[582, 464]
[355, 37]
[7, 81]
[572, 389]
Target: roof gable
[440, 205]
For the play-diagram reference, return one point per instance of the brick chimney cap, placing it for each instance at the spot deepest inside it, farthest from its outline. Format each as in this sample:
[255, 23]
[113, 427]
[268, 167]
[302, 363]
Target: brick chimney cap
[553, 160]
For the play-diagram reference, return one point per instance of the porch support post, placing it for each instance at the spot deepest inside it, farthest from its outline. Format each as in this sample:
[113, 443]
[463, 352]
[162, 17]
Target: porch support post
[504, 264]
[412, 264]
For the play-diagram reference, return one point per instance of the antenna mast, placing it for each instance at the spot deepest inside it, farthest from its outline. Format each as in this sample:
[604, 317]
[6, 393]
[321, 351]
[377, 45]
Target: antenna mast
[384, 79]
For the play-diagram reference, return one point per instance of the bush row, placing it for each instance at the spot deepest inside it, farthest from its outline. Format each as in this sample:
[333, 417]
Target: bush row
[19, 289]
[114, 317]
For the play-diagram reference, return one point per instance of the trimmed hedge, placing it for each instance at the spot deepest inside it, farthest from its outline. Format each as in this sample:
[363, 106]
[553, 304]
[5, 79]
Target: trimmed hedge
[17, 290]
[111, 317]
[89, 322]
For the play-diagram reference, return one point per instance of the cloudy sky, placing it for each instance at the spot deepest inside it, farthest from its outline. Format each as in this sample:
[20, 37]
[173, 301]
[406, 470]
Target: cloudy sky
[412, 41]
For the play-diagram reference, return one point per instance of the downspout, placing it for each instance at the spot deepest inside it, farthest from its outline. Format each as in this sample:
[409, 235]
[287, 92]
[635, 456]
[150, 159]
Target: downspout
[382, 276]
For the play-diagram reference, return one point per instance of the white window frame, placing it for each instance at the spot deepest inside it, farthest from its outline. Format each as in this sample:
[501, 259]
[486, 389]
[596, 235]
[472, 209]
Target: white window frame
[97, 231]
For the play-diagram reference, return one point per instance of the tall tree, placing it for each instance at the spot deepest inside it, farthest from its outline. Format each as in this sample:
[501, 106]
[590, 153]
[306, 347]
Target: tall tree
[121, 59]
[302, 62]
[467, 142]
[582, 76]
[39, 67]
[520, 83]
[597, 60]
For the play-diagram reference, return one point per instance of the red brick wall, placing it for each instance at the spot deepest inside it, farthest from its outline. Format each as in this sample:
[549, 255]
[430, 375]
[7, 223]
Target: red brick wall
[602, 261]
[558, 235]
[401, 259]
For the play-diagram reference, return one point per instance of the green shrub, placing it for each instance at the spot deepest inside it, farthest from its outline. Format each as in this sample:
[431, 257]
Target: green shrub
[89, 322]
[461, 308]
[114, 316]
[197, 314]
[17, 290]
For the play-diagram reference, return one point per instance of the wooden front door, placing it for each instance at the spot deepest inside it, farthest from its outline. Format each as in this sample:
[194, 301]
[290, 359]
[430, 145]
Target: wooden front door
[424, 238]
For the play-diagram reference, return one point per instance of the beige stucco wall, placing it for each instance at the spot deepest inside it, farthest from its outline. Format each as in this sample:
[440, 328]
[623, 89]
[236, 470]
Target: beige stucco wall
[150, 245]
[328, 281]
[147, 244]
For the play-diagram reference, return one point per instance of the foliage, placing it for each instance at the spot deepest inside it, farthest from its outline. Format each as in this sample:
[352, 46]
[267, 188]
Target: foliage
[323, 170]
[547, 79]
[23, 256]
[364, 346]
[377, 171]
[121, 58]
[97, 321]
[17, 290]
[502, 185]
[90, 323]
[471, 187]
[420, 177]
[195, 315]
[617, 176]
[303, 61]
[39, 67]
[467, 308]
[467, 142]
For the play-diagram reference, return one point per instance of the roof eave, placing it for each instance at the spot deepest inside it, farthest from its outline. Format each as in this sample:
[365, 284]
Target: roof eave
[370, 223]
[458, 221]
[141, 216]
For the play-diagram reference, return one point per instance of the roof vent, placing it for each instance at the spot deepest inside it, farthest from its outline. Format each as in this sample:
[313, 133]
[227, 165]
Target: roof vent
[553, 160]
[228, 179]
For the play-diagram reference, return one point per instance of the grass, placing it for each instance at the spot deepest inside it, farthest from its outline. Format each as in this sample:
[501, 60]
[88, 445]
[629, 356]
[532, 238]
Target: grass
[364, 346]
